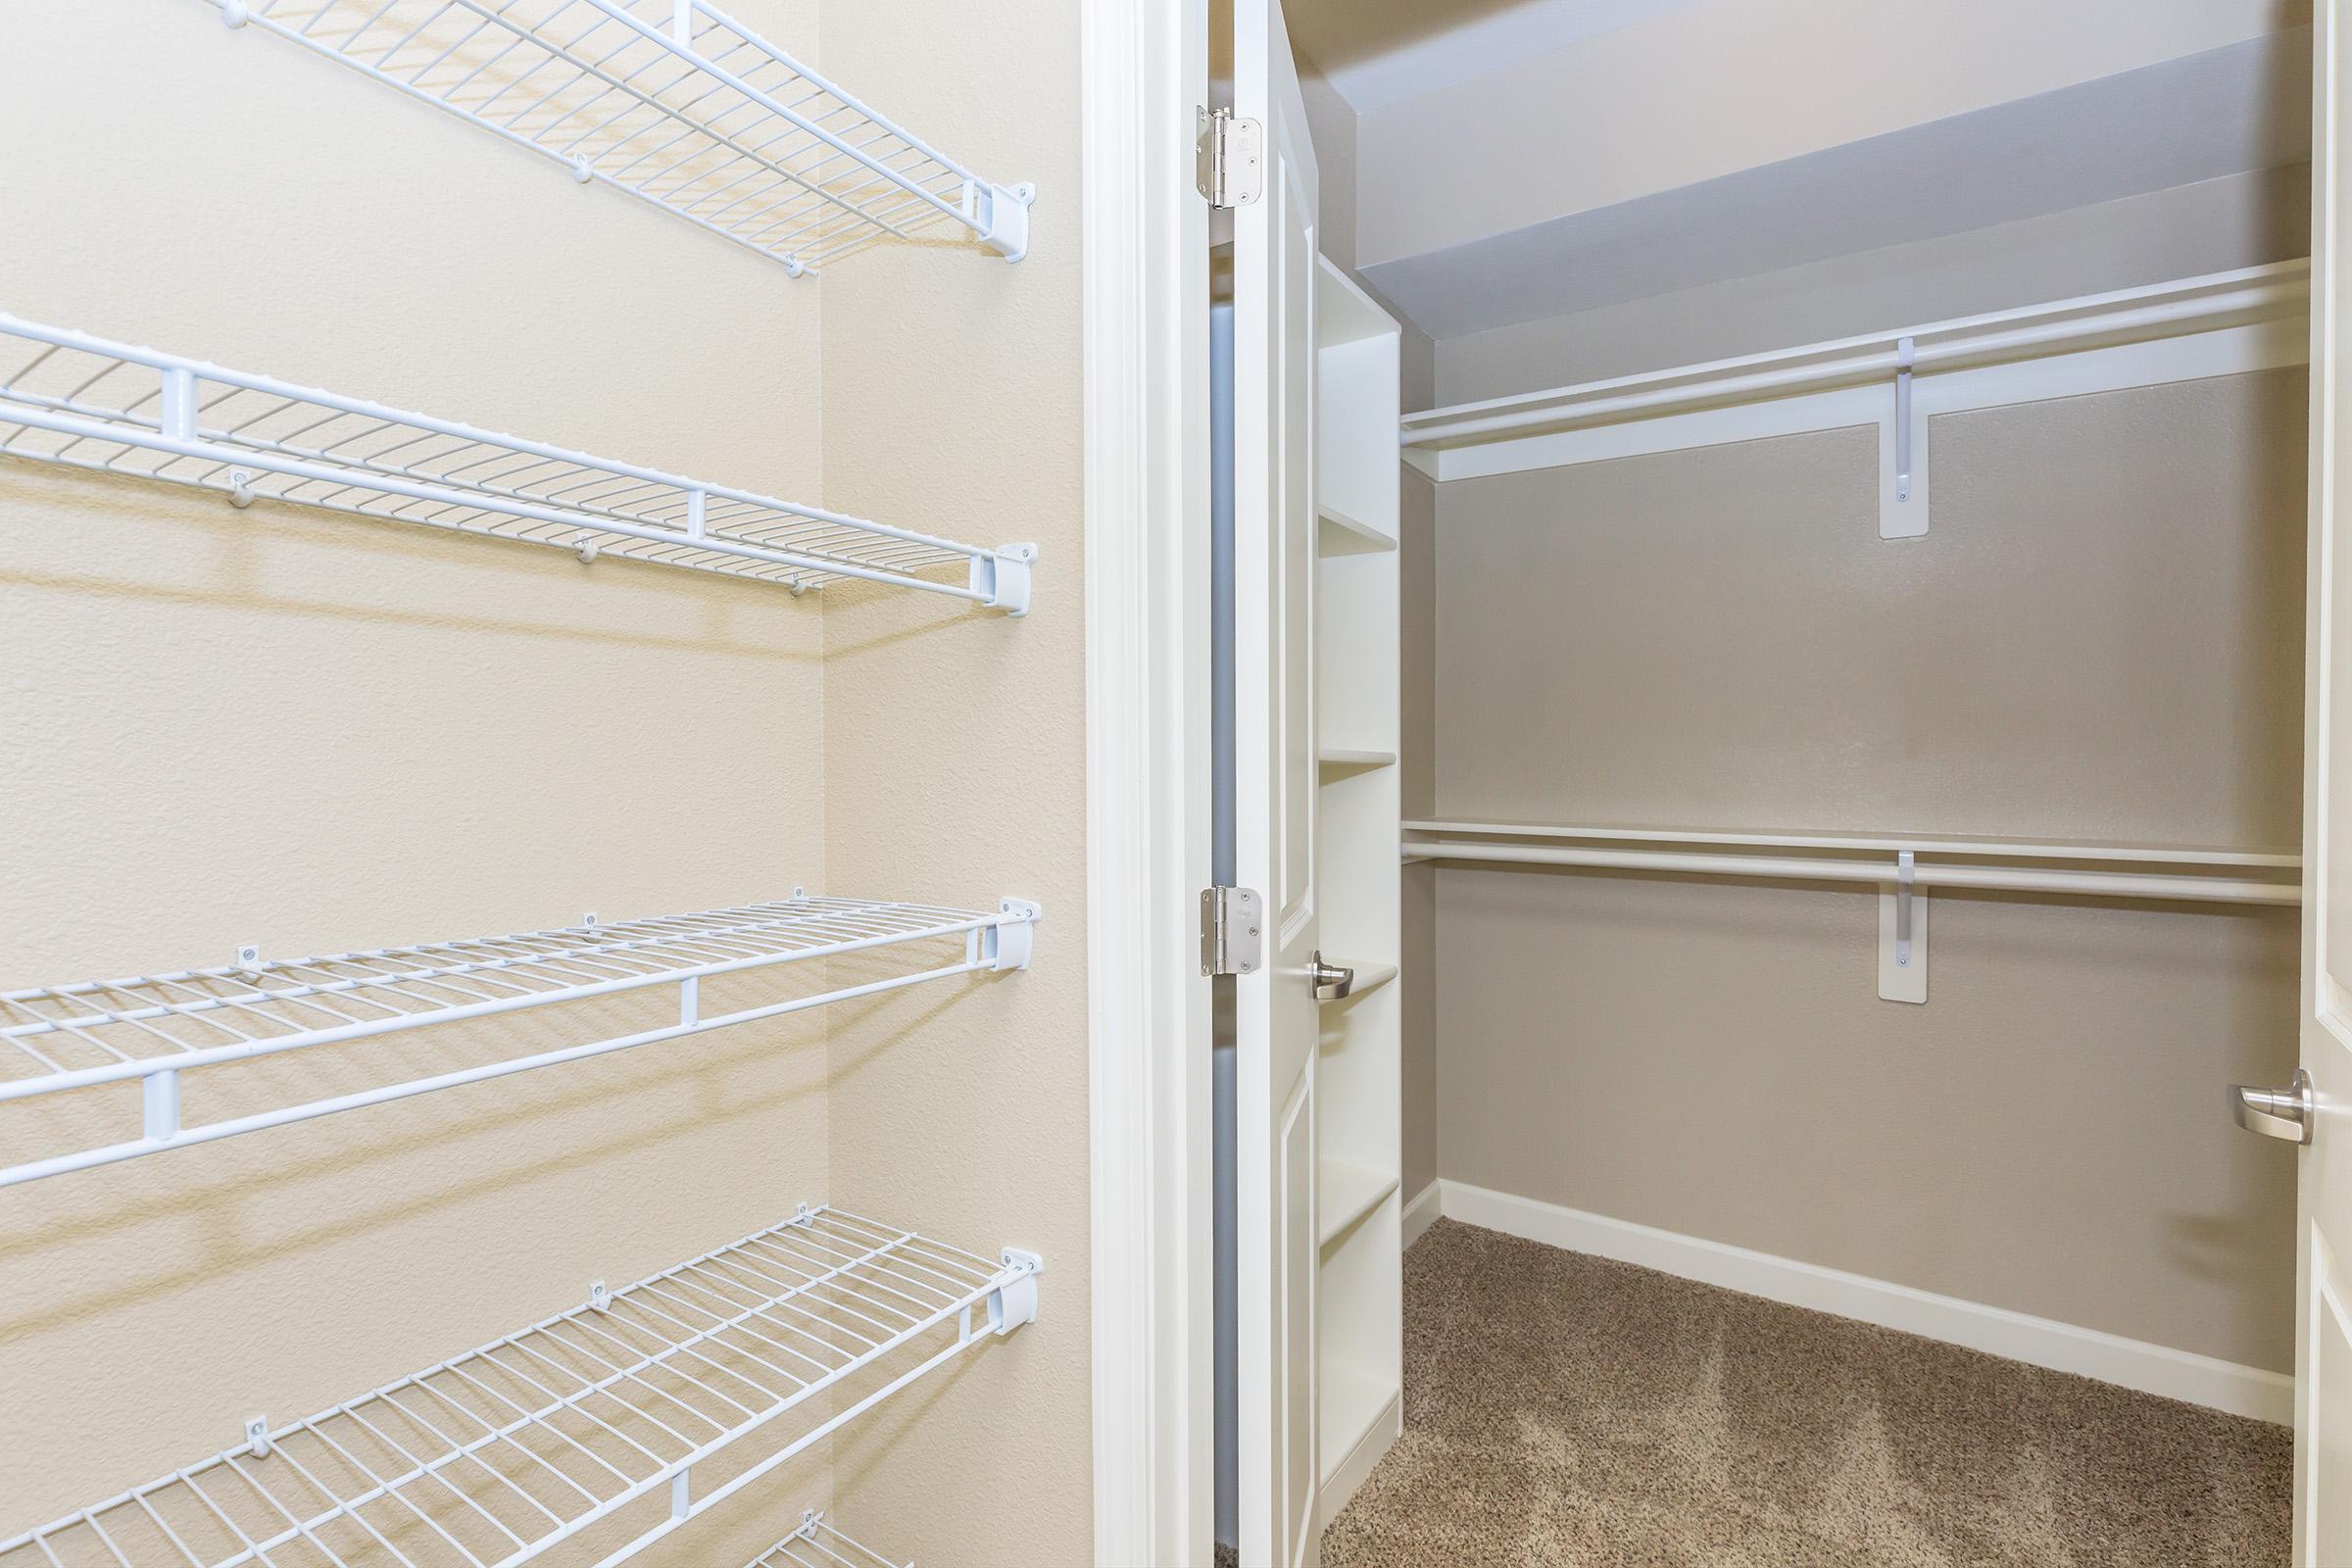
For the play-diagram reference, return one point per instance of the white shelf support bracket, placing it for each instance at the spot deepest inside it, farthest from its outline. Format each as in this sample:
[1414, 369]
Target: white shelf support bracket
[681, 23]
[1903, 935]
[257, 1436]
[159, 1098]
[681, 1494]
[1009, 943]
[1001, 579]
[690, 1002]
[240, 489]
[1001, 214]
[1903, 454]
[1014, 1302]
[234, 14]
[698, 512]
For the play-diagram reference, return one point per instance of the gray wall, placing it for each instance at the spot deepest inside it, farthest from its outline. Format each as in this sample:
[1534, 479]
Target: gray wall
[2101, 637]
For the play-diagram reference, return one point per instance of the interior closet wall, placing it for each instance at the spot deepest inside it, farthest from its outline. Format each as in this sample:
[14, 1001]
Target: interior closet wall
[954, 749]
[316, 733]
[2100, 637]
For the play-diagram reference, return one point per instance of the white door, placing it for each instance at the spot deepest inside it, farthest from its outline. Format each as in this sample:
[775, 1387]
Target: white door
[2319, 1107]
[1274, 803]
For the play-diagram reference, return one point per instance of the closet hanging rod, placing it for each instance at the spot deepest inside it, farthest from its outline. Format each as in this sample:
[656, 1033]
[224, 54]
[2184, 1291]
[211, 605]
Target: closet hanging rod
[86, 401]
[2017, 849]
[2210, 303]
[54, 1040]
[1928, 874]
[601, 1414]
[673, 102]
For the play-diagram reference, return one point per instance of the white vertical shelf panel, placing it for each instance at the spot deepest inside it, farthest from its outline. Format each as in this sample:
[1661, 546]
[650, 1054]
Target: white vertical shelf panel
[1359, 1086]
[591, 1420]
[86, 401]
[674, 101]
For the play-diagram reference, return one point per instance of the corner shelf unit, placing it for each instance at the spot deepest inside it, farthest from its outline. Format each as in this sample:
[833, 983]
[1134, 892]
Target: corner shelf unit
[677, 104]
[1359, 1068]
[84, 402]
[818, 1544]
[596, 1419]
[153, 1028]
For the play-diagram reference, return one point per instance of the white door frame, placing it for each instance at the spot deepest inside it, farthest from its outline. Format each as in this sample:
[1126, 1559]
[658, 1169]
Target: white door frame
[1145, 66]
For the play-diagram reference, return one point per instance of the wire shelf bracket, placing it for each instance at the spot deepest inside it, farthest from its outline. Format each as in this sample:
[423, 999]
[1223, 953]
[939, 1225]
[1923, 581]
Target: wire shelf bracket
[818, 1544]
[153, 1028]
[673, 102]
[595, 1417]
[86, 402]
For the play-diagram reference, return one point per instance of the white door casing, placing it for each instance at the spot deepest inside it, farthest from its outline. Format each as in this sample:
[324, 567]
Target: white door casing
[2323, 1197]
[1276, 1024]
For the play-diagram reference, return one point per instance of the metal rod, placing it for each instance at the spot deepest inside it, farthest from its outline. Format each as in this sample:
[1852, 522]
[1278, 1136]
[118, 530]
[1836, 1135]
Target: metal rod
[2169, 310]
[2001, 878]
[1850, 843]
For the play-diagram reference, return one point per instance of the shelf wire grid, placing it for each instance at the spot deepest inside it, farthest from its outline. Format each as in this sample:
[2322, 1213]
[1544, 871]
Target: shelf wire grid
[596, 1414]
[670, 100]
[86, 401]
[58, 1039]
[818, 1544]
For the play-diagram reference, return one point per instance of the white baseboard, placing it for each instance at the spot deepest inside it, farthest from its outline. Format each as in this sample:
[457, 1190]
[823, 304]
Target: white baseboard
[1422, 1212]
[1370, 1448]
[2037, 1340]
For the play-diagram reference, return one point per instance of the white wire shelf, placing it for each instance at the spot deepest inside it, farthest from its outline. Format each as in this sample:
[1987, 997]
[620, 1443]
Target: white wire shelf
[592, 1420]
[674, 101]
[818, 1544]
[86, 401]
[155, 1028]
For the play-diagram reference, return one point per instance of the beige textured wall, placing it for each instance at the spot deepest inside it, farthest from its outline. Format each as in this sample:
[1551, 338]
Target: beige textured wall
[321, 734]
[954, 754]
[2100, 637]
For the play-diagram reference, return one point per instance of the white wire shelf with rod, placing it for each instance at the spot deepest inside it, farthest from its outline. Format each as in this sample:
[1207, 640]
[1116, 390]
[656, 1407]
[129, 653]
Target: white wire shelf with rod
[2097, 870]
[70, 398]
[818, 1544]
[157, 1028]
[674, 101]
[616, 1422]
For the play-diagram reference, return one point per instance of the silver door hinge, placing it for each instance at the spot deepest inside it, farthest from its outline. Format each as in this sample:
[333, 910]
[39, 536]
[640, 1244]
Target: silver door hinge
[1229, 159]
[1233, 931]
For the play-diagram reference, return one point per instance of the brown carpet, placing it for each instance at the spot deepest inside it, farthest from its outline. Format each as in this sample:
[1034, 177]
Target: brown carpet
[1564, 1411]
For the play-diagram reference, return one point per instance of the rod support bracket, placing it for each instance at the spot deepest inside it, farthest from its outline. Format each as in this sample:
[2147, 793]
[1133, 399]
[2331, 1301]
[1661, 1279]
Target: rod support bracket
[1007, 944]
[1014, 1302]
[1001, 578]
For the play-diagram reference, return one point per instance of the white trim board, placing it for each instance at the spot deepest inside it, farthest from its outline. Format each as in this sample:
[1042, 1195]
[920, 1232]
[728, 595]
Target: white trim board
[1146, 272]
[1422, 1212]
[2035, 1341]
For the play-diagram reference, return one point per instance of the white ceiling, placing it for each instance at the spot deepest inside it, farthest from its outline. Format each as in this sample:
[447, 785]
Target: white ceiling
[1377, 51]
[2200, 117]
